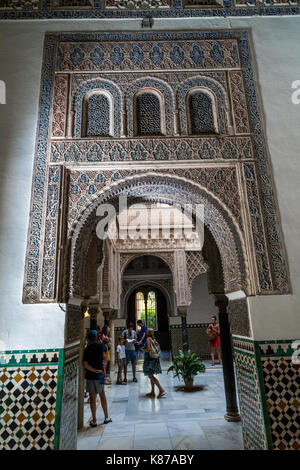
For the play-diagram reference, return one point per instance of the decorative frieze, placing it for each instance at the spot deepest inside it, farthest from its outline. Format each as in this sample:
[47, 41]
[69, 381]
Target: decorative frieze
[48, 285]
[20, 5]
[74, 9]
[148, 55]
[137, 4]
[59, 105]
[263, 266]
[239, 103]
[72, 4]
[203, 148]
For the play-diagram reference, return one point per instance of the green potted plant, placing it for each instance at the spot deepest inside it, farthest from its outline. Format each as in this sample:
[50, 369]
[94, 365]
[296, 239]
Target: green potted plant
[187, 366]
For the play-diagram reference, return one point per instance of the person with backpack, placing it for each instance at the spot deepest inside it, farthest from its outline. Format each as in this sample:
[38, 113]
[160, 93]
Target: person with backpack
[152, 364]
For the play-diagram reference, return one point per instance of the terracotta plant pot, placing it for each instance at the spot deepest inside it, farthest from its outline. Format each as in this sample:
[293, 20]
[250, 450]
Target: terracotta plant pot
[189, 384]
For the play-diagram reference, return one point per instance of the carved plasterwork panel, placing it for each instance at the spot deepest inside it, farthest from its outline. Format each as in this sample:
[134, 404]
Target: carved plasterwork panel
[195, 265]
[231, 171]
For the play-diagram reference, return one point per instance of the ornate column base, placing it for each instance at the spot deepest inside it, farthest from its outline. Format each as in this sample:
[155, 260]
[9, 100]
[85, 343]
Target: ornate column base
[232, 416]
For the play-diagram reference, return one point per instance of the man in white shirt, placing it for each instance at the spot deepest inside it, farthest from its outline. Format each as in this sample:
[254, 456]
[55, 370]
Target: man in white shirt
[130, 340]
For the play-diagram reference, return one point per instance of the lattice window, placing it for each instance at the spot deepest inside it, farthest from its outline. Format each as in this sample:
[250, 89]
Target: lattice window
[202, 3]
[140, 306]
[148, 114]
[201, 115]
[72, 4]
[149, 317]
[98, 115]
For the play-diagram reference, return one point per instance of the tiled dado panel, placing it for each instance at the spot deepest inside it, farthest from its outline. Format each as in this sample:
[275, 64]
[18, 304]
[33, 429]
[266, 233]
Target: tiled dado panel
[282, 391]
[38, 399]
[30, 386]
[198, 339]
[268, 385]
[69, 408]
[249, 389]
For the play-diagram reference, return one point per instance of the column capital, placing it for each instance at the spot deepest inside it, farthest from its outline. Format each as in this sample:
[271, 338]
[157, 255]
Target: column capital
[182, 310]
[221, 301]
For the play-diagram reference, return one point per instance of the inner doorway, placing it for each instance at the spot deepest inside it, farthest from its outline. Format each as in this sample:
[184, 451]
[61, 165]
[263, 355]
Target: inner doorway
[147, 281]
[148, 303]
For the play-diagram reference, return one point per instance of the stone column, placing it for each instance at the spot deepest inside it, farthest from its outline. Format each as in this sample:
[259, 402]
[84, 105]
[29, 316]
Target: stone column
[184, 330]
[106, 314]
[176, 123]
[93, 310]
[113, 340]
[146, 308]
[232, 413]
[81, 379]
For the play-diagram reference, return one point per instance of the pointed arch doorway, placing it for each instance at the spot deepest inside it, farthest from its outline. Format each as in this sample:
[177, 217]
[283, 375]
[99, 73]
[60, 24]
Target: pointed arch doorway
[149, 304]
[147, 289]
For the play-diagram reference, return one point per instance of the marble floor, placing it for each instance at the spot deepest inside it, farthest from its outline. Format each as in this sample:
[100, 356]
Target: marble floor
[181, 421]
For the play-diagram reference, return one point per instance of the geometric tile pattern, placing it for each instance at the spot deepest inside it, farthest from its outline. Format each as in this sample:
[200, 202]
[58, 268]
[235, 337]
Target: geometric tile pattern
[269, 391]
[254, 432]
[282, 391]
[68, 426]
[28, 400]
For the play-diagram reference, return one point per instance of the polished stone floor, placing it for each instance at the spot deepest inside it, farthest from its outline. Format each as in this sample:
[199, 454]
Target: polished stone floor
[181, 421]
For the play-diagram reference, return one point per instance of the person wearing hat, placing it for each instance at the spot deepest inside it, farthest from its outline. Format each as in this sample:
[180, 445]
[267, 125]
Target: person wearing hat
[93, 364]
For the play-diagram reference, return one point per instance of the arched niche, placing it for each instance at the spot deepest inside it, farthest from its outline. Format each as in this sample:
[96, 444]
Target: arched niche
[107, 89]
[213, 90]
[98, 116]
[202, 113]
[149, 113]
[164, 94]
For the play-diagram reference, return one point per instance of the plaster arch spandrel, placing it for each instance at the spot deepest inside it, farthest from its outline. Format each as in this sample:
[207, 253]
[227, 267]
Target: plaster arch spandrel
[173, 190]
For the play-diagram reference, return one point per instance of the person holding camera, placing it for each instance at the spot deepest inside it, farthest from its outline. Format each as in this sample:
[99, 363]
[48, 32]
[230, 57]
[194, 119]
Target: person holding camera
[130, 337]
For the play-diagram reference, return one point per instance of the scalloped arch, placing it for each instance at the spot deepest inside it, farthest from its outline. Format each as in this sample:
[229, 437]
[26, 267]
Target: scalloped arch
[171, 190]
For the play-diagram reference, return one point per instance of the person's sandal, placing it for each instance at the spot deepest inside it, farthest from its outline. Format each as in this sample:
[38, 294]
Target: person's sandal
[162, 394]
[93, 425]
[107, 420]
[150, 395]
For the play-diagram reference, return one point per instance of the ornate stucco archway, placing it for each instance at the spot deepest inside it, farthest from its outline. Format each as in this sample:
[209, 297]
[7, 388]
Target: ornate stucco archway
[171, 190]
